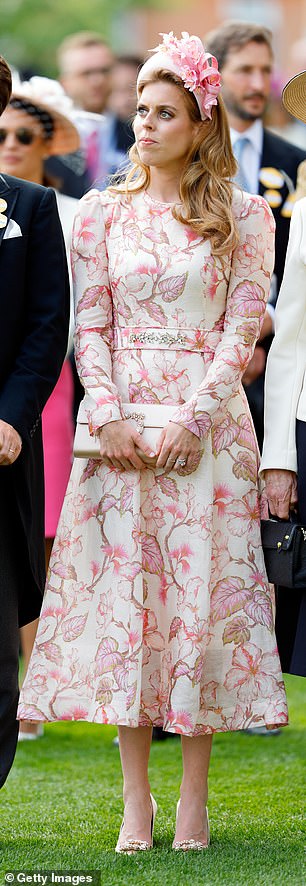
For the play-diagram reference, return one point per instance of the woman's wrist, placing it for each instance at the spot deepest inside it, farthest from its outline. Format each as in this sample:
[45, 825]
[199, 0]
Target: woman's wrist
[114, 421]
[273, 473]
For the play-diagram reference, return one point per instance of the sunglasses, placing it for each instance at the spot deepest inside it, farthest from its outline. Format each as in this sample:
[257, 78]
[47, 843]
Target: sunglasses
[24, 136]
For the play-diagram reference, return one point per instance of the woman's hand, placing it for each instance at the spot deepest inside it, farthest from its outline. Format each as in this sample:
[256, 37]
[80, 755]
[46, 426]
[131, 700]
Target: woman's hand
[118, 442]
[10, 444]
[256, 366]
[178, 448]
[281, 490]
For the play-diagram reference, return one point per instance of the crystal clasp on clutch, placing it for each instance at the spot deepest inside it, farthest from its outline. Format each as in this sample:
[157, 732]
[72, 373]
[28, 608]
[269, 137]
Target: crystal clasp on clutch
[139, 418]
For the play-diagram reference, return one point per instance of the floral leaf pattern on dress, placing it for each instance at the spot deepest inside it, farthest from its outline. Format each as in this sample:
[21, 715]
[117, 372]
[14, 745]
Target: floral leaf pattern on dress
[253, 673]
[224, 433]
[244, 467]
[245, 435]
[107, 502]
[172, 287]
[65, 571]
[152, 560]
[168, 486]
[157, 608]
[74, 627]
[228, 596]
[90, 298]
[107, 657]
[259, 608]
[236, 631]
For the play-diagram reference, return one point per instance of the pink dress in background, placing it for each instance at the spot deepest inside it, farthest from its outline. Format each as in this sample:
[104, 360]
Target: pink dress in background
[57, 416]
[157, 608]
[58, 431]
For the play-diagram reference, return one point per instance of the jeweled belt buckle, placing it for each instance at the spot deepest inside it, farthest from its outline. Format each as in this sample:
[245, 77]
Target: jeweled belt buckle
[158, 336]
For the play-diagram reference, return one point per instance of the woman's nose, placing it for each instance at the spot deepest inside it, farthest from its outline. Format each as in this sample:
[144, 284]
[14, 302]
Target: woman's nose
[149, 120]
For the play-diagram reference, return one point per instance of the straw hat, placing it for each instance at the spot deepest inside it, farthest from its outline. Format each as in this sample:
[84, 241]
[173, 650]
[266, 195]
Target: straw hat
[294, 96]
[48, 95]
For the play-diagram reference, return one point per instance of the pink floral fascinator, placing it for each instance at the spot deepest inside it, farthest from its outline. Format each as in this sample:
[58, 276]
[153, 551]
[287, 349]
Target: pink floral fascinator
[187, 58]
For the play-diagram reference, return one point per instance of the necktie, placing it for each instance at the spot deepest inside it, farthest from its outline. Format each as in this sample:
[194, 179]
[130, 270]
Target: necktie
[240, 178]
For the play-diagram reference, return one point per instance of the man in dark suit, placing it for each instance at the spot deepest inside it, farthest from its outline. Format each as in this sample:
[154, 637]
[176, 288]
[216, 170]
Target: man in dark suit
[267, 163]
[34, 295]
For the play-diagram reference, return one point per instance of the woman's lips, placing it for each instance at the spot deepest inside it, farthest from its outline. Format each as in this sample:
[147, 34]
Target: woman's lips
[9, 158]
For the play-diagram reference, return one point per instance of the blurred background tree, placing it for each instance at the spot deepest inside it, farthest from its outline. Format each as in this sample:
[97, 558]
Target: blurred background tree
[31, 30]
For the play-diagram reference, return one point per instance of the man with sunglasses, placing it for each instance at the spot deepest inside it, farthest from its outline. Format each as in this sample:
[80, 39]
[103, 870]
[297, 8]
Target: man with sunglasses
[34, 296]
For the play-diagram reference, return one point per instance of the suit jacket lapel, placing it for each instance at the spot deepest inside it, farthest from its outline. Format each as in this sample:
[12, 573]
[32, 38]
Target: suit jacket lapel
[264, 161]
[273, 155]
[10, 195]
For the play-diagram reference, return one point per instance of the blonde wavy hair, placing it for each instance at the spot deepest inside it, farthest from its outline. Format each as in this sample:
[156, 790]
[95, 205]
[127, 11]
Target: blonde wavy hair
[205, 186]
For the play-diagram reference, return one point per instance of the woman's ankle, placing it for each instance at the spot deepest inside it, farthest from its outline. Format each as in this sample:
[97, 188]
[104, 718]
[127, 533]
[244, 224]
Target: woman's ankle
[194, 790]
[136, 793]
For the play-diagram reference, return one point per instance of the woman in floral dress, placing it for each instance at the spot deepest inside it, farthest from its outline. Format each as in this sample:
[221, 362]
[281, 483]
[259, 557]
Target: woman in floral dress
[157, 609]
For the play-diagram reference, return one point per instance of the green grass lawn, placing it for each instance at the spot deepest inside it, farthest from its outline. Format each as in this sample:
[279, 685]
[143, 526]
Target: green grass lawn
[61, 808]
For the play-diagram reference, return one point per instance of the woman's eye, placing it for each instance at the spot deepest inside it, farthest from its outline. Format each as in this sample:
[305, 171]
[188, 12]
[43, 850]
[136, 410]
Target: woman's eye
[164, 114]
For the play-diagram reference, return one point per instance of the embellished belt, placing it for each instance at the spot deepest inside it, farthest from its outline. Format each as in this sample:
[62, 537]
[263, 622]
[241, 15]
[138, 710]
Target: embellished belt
[169, 338]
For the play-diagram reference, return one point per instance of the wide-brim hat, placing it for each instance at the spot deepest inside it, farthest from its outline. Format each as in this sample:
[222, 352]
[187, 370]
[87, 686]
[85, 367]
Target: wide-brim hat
[294, 96]
[48, 96]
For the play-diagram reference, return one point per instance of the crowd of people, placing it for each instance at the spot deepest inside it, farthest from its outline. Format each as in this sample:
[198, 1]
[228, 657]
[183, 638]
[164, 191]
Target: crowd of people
[157, 612]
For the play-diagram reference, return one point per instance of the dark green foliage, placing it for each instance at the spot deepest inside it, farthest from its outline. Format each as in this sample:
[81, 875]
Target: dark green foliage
[31, 30]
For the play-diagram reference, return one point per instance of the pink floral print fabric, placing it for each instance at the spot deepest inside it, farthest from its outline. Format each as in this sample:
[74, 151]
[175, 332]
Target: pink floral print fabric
[157, 608]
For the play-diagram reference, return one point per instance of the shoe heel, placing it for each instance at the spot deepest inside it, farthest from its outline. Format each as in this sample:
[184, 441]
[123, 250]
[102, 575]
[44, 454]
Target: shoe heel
[154, 811]
[208, 827]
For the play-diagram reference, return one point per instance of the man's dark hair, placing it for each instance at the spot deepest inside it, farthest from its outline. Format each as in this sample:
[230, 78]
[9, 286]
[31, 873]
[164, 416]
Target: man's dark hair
[234, 36]
[5, 84]
[134, 60]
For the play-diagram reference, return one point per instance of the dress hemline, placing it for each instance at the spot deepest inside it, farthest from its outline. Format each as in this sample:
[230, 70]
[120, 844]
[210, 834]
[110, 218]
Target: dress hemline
[159, 724]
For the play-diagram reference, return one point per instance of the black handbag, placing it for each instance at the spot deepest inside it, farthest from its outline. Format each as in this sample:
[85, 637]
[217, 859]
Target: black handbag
[284, 547]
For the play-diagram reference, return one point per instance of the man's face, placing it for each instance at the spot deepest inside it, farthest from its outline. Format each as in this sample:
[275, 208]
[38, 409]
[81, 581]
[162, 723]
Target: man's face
[86, 77]
[123, 99]
[246, 81]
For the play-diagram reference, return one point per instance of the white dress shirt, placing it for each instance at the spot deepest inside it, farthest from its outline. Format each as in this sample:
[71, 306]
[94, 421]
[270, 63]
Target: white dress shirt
[252, 153]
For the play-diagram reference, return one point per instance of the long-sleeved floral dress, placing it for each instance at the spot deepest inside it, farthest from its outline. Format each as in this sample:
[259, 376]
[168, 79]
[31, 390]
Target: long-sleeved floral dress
[157, 608]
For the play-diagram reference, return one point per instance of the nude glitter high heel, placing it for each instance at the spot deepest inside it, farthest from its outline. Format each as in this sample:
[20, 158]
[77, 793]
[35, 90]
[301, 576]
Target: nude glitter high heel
[192, 844]
[129, 847]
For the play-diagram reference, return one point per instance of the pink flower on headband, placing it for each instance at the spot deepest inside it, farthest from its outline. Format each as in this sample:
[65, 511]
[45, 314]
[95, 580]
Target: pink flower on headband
[197, 68]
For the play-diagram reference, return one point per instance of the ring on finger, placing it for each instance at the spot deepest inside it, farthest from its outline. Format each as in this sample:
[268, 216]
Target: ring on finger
[181, 462]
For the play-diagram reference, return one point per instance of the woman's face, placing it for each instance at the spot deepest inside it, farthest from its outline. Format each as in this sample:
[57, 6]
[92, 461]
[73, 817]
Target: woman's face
[23, 160]
[163, 128]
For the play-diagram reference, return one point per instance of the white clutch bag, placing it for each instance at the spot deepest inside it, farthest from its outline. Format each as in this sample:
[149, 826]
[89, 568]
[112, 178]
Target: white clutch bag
[147, 418]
